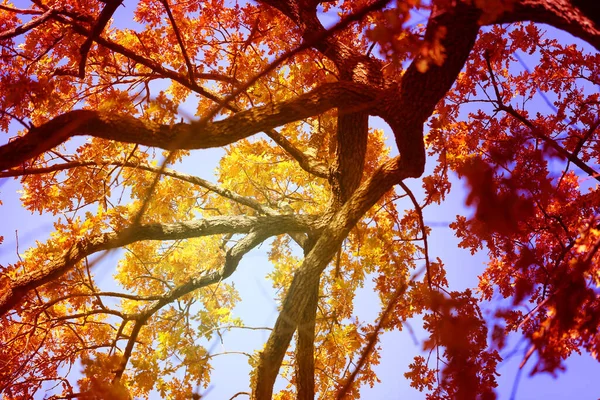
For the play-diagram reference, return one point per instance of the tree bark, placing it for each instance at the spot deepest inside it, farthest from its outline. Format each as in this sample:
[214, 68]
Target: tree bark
[405, 109]
[296, 301]
[580, 18]
[123, 128]
[16, 288]
[305, 346]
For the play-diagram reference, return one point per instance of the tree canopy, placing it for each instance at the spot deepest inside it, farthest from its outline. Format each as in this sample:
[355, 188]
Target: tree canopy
[95, 114]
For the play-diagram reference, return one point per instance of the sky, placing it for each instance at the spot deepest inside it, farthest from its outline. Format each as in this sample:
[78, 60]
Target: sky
[258, 309]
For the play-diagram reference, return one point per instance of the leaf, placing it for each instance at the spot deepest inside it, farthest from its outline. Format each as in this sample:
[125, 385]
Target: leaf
[191, 137]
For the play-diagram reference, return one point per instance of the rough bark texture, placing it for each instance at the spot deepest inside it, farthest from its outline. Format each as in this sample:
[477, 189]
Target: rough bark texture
[307, 276]
[16, 288]
[408, 107]
[347, 166]
[347, 169]
[405, 109]
[578, 17]
[305, 346]
[128, 129]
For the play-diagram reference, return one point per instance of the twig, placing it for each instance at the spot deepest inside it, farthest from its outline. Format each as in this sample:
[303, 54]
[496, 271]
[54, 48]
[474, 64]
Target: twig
[536, 131]
[423, 229]
[179, 40]
[371, 344]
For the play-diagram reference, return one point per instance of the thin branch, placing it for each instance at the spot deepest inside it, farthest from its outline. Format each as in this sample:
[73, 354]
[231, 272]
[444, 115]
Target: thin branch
[188, 63]
[232, 259]
[588, 134]
[33, 23]
[536, 131]
[372, 341]
[129, 347]
[227, 327]
[308, 163]
[240, 394]
[194, 180]
[89, 313]
[106, 294]
[20, 10]
[307, 44]
[419, 211]
[241, 353]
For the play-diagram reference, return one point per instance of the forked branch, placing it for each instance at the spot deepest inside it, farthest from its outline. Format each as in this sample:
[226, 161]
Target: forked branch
[16, 288]
[124, 128]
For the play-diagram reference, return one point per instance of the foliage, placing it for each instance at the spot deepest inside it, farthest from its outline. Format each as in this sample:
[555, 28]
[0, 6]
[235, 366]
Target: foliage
[319, 188]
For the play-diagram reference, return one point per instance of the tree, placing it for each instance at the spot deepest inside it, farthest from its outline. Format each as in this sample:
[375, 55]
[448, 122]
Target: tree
[318, 180]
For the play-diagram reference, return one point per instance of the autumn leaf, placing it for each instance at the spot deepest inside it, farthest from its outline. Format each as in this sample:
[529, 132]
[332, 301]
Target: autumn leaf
[172, 144]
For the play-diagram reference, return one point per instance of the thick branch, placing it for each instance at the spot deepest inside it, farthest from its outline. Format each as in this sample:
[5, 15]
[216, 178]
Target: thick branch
[304, 14]
[572, 16]
[18, 287]
[307, 276]
[351, 139]
[305, 346]
[309, 164]
[194, 180]
[419, 92]
[128, 129]
[16, 31]
[305, 343]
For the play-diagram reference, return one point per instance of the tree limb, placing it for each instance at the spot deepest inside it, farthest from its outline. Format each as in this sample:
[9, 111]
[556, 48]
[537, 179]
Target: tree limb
[537, 132]
[128, 129]
[408, 107]
[307, 276]
[107, 12]
[232, 260]
[566, 15]
[186, 58]
[31, 24]
[305, 346]
[27, 11]
[16, 288]
[194, 180]
[372, 342]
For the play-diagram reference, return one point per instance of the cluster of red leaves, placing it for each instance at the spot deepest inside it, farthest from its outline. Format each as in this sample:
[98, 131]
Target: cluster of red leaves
[496, 210]
[456, 325]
